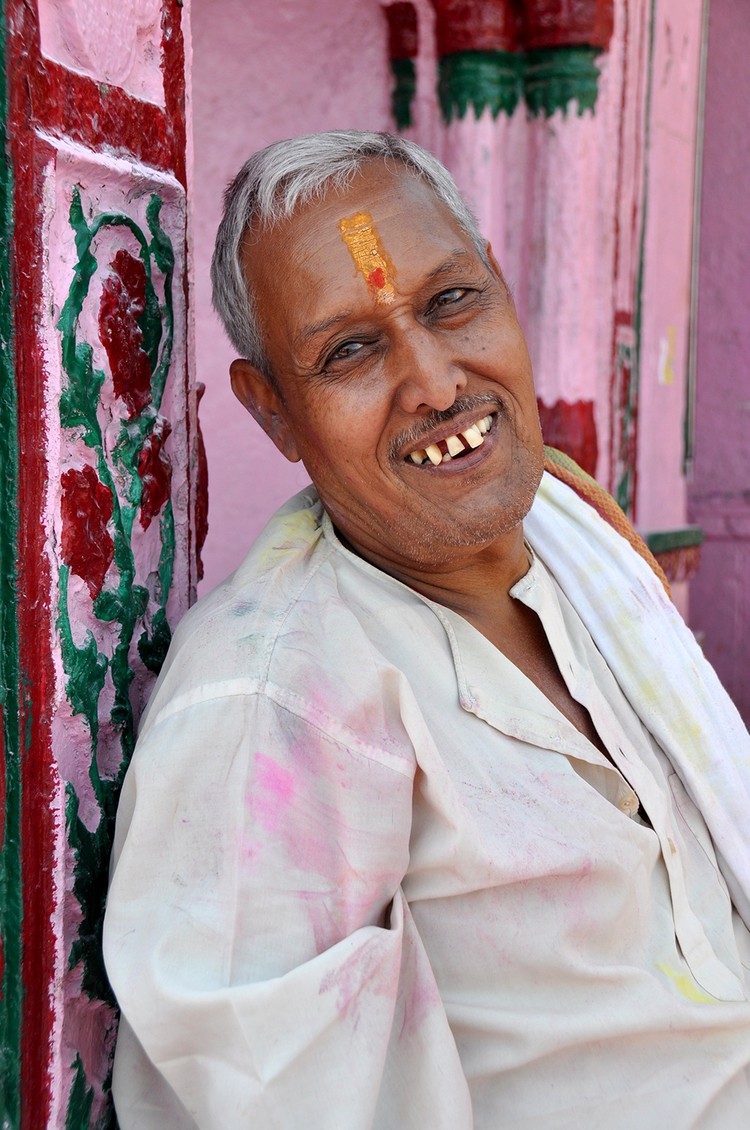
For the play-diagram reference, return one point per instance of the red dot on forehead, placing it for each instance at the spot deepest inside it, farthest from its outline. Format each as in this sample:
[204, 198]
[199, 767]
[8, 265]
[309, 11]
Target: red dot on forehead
[377, 278]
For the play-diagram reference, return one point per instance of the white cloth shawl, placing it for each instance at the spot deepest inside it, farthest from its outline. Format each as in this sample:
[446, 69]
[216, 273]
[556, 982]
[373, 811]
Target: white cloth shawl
[658, 665]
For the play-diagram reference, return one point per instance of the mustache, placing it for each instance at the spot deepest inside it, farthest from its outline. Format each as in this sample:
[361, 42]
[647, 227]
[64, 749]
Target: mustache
[427, 424]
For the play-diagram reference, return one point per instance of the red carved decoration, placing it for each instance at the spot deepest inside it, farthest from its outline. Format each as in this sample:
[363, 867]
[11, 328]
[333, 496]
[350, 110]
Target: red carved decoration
[403, 38]
[571, 428]
[123, 303]
[155, 470]
[87, 547]
[475, 25]
[201, 494]
[567, 23]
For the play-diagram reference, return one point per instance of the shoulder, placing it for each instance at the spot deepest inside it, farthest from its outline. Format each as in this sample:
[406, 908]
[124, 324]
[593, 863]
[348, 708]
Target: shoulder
[567, 471]
[293, 627]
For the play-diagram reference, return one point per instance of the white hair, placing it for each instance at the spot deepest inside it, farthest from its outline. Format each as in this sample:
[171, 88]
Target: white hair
[287, 174]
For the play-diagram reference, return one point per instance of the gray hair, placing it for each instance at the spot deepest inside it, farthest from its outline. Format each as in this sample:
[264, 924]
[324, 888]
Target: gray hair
[287, 174]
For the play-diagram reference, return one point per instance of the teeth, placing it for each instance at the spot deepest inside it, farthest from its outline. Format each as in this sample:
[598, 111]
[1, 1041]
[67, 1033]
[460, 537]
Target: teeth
[473, 436]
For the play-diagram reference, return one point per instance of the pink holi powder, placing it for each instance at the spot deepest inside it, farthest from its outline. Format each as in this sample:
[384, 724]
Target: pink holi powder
[272, 793]
[421, 992]
[371, 969]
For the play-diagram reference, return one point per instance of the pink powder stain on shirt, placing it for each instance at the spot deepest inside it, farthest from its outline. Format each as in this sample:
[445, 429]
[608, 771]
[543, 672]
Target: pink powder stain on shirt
[372, 969]
[422, 994]
[272, 793]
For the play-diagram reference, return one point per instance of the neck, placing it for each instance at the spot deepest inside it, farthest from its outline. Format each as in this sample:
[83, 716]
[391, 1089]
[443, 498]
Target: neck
[475, 583]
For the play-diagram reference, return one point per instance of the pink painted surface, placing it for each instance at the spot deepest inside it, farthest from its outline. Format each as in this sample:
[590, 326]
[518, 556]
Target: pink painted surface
[116, 43]
[487, 159]
[719, 494]
[86, 1026]
[662, 496]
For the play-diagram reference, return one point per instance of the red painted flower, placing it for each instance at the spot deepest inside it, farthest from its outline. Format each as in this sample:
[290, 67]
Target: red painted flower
[123, 303]
[155, 470]
[87, 547]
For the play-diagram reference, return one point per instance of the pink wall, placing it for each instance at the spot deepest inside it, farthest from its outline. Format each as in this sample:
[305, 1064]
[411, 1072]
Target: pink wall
[720, 490]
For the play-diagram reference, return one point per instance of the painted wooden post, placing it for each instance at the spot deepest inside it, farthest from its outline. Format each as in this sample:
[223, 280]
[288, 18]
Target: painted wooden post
[403, 47]
[98, 507]
[480, 88]
[566, 212]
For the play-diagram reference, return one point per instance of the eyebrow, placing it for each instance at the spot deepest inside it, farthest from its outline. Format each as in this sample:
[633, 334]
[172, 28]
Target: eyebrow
[308, 332]
[459, 257]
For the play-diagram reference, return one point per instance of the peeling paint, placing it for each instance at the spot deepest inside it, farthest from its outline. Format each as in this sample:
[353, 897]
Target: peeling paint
[10, 738]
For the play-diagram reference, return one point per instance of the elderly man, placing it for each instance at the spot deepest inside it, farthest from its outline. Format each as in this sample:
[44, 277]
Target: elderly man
[438, 818]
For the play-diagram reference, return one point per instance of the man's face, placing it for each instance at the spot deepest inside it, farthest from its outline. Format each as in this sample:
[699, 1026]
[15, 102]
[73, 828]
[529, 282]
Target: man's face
[388, 335]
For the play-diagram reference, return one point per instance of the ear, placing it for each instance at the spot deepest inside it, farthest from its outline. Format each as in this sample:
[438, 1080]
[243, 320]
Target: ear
[255, 392]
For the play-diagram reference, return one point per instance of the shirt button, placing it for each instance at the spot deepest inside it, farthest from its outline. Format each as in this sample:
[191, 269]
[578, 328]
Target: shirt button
[628, 803]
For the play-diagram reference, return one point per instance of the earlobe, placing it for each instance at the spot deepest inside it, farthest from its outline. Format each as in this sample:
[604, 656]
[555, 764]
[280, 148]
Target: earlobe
[255, 393]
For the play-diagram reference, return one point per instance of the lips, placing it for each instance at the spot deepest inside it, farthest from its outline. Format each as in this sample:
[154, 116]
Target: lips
[453, 446]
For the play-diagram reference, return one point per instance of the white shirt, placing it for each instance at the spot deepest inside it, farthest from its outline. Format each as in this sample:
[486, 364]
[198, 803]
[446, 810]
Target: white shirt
[368, 876]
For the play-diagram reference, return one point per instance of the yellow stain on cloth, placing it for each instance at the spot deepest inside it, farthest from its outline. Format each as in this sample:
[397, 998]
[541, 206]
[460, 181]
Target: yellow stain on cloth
[685, 986]
[369, 255]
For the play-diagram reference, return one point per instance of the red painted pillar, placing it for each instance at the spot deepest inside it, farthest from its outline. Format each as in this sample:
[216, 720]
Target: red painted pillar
[105, 556]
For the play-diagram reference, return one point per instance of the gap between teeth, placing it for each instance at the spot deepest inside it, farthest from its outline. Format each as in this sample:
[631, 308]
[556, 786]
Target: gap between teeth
[472, 437]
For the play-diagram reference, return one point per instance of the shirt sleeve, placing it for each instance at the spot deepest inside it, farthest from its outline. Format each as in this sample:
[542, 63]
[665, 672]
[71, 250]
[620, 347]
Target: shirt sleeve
[258, 942]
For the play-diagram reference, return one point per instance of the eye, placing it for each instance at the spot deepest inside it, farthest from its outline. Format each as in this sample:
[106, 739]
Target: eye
[449, 297]
[346, 350]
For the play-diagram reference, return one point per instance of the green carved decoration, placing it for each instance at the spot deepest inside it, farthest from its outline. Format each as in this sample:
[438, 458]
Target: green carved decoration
[120, 485]
[555, 77]
[404, 88]
[548, 79]
[480, 79]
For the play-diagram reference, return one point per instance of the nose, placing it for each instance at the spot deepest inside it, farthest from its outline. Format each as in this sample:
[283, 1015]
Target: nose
[429, 377]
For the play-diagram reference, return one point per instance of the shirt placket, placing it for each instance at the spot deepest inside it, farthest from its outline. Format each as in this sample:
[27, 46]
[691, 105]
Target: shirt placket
[710, 973]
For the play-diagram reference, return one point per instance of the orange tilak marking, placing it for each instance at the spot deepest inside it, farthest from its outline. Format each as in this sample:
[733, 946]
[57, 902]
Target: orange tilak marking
[369, 255]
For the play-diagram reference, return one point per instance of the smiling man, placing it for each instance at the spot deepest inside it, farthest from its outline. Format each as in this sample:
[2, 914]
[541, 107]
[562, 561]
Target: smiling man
[438, 818]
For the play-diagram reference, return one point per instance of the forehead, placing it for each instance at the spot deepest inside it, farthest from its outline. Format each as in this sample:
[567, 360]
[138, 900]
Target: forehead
[309, 256]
